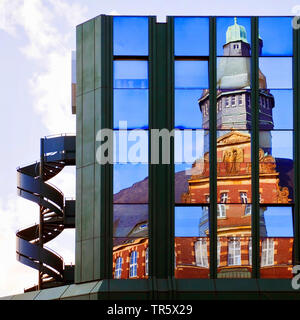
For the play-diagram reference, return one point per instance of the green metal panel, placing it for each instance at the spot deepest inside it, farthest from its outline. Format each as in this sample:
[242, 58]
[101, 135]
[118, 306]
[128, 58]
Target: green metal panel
[212, 148]
[255, 147]
[88, 128]
[88, 56]
[161, 176]
[94, 181]
[87, 219]
[78, 61]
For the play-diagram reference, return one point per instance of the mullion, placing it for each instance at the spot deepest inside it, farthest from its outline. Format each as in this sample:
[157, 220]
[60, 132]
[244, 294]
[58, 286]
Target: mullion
[296, 114]
[212, 149]
[255, 218]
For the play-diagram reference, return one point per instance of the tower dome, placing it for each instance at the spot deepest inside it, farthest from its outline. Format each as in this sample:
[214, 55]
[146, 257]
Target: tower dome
[236, 32]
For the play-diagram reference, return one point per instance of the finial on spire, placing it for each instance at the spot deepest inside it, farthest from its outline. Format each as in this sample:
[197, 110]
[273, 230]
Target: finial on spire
[235, 20]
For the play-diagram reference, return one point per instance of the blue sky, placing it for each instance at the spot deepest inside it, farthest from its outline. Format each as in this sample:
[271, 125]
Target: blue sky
[37, 37]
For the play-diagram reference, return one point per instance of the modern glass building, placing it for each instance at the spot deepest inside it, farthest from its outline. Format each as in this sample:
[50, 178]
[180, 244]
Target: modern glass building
[187, 163]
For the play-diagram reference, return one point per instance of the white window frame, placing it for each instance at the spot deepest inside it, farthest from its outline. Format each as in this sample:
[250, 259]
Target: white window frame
[250, 252]
[201, 253]
[248, 210]
[118, 269]
[218, 252]
[133, 264]
[234, 252]
[267, 252]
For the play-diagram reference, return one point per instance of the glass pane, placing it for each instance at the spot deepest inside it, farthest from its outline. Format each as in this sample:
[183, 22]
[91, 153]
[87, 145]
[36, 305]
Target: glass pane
[191, 74]
[131, 105]
[191, 242]
[276, 243]
[234, 109]
[130, 35]
[131, 74]
[130, 183]
[276, 73]
[191, 36]
[276, 167]
[276, 109]
[276, 34]
[233, 36]
[132, 251]
[191, 166]
[233, 165]
[234, 246]
[191, 109]
[233, 72]
[130, 220]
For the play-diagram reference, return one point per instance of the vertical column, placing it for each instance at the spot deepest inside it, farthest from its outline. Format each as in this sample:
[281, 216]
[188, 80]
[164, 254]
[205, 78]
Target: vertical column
[161, 176]
[93, 181]
[255, 146]
[213, 148]
[296, 92]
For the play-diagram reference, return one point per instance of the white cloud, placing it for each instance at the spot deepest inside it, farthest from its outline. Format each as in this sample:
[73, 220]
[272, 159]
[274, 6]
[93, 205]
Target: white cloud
[44, 30]
[48, 27]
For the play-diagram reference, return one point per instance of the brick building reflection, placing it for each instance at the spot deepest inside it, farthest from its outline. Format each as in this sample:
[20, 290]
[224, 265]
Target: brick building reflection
[234, 249]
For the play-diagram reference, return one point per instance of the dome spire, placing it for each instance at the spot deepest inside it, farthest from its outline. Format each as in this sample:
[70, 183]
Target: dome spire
[236, 32]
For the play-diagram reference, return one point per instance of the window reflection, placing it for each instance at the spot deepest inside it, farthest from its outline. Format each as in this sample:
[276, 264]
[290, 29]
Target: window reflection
[191, 36]
[130, 35]
[191, 74]
[279, 28]
[131, 74]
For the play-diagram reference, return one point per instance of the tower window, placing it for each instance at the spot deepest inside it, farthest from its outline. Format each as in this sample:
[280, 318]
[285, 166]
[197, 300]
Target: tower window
[133, 264]
[234, 252]
[226, 102]
[240, 97]
[233, 101]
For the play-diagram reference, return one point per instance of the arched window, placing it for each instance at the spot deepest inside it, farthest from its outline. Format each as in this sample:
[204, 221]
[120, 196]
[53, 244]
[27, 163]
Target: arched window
[118, 270]
[133, 264]
[146, 262]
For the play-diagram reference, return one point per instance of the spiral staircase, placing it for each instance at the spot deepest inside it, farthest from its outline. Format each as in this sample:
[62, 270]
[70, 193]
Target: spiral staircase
[56, 213]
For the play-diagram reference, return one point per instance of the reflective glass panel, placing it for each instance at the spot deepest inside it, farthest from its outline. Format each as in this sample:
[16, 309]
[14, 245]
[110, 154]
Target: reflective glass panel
[191, 36]
[276, 73]
[130, 35]
[131, 105]
[276, 35]
[276, 243]
[191, 242]
[131, 74]
[191, 74]
[233, 36]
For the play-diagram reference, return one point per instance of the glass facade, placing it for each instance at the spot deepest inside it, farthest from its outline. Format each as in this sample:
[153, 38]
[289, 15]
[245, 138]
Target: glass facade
[219, 199]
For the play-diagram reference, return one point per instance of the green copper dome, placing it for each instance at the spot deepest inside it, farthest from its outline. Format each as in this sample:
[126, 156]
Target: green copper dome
[236, 32]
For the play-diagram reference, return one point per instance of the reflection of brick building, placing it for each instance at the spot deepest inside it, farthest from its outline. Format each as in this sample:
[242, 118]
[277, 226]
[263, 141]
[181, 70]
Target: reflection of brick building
[233, 182]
